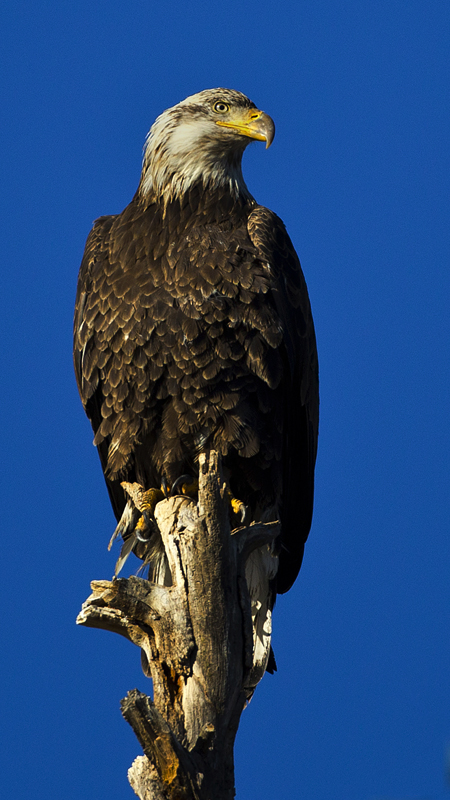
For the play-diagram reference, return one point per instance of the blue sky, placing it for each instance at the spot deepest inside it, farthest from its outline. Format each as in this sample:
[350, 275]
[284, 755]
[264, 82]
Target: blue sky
[359, 91]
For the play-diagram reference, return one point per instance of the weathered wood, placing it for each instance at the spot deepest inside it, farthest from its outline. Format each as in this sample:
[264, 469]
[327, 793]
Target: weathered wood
[197, 643]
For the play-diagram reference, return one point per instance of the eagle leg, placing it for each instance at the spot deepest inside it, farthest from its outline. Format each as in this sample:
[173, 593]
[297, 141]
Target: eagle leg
[137, 525]
[145, 525]
[150, 499]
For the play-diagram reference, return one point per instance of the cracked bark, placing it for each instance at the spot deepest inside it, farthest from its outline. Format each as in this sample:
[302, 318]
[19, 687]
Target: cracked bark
[196, 642]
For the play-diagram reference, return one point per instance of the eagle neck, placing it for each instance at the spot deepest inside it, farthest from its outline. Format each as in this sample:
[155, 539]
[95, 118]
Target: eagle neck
[167, 177]
[202, 205]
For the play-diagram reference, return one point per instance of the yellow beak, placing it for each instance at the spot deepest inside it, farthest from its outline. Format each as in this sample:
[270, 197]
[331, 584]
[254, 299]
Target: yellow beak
[254, 124]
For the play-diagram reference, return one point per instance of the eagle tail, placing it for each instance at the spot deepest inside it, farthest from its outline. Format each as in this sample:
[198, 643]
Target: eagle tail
[260, 570]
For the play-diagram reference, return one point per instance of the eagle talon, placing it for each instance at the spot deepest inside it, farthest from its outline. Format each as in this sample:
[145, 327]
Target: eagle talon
[178, 484]
[184, 485]
[145, 525]
[137, 525]
[139, 536]
[237, 507]
[150, 499]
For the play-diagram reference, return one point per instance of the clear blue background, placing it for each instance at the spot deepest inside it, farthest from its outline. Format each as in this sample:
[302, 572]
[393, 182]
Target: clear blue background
[360, 707]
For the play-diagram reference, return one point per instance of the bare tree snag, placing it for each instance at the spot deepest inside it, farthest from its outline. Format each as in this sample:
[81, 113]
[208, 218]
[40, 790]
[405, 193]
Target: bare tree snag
[196, 641]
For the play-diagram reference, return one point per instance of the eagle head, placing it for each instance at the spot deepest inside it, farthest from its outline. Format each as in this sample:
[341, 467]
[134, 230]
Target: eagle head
[202, 139]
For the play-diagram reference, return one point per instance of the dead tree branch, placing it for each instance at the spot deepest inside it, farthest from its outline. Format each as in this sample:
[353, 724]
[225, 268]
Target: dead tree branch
[196, 641]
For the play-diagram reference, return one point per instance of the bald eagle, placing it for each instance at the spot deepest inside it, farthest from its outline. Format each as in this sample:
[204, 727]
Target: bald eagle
[193, 330]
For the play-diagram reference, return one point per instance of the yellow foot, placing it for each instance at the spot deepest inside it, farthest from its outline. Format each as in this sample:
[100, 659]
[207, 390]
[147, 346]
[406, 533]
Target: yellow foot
[237, 507]
[150, 499]
[147, 504]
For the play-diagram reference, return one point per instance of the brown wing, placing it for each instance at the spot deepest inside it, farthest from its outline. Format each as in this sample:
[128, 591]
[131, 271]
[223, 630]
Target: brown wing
[90, 352]
[300, 388]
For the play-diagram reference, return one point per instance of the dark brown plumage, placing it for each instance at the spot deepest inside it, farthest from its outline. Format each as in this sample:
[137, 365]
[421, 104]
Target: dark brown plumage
[193, 326]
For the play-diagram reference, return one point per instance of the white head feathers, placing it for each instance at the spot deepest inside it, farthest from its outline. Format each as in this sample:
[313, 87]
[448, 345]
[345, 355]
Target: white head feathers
[202, 139]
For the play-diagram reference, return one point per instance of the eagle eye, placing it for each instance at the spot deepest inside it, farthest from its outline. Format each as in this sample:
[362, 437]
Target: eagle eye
[220, 107]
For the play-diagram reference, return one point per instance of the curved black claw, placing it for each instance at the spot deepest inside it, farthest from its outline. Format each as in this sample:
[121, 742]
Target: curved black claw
[145, 528]
[184, 484]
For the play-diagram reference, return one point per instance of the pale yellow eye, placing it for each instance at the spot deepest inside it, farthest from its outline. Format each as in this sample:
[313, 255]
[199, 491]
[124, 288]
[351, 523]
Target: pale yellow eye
[220, 107]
